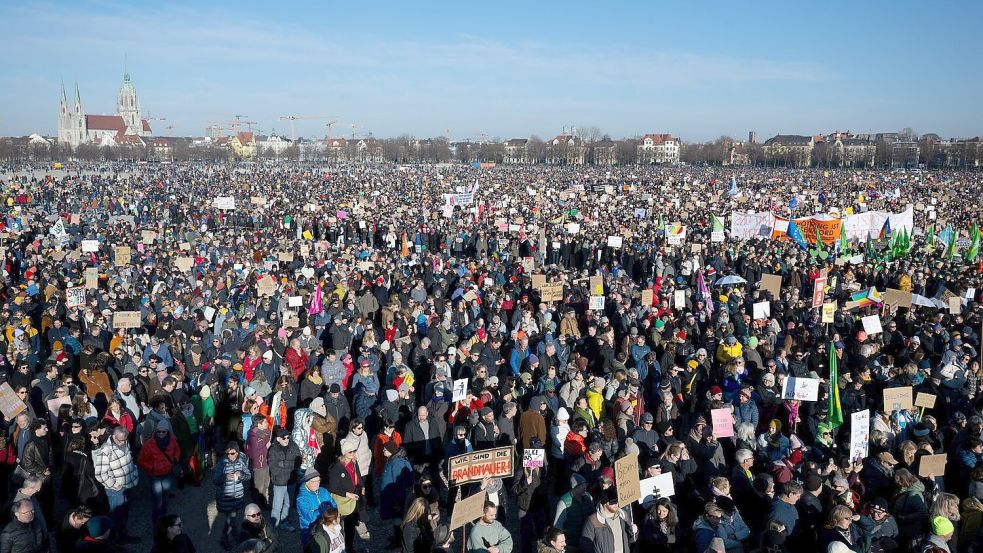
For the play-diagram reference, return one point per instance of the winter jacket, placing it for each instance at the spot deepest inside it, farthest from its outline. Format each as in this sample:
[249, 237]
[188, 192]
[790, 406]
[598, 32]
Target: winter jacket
[532, 424]
[18, 537]
[597, 537]
[571, 513]
[282, 461]
[730, 529]
[310, 505]
[910, 510]
[114, 466]
[230, 492]
[159, 463]
[397, 479]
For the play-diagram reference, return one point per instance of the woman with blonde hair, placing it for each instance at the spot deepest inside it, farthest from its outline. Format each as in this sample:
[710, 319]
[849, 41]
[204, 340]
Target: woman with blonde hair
[416, 531]
[947, 505]
[846, 527]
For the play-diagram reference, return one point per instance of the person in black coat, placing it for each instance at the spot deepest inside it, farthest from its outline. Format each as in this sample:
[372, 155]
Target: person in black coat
[345, 480]
[422, 439]
[255, 527]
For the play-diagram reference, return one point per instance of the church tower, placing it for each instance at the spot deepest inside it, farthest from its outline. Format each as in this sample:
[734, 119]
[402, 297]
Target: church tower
[64, 121]
[71, 120]
[128, 107]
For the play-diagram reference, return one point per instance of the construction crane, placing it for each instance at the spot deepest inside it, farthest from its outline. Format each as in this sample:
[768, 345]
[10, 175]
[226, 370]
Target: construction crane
[294, 118]
[249, 125]
[328, 125]
[236, 123]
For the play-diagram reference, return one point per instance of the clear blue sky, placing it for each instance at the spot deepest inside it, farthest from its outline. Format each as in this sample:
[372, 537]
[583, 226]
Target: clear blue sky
[694, 69]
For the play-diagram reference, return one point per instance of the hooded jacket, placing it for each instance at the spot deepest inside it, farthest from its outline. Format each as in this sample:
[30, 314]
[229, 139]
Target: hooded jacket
[230, 490]
[597, 537]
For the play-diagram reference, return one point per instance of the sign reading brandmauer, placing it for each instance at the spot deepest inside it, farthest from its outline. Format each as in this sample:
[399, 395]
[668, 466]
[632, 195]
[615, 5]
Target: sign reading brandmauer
[626, 480]
[487, 463]
[468, 510]
[126, 319]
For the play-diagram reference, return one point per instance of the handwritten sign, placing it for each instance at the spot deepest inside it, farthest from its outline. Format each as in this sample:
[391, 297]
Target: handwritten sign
[184, 264]
[478, 465]
[925, 400]
[597, 286]
[647, 298]
[90, 246]
[802, 389]
[679, 299]
[538, 281]
[295, 301]
[761, 310]
[121, 255]
[468, 510]
[859, 434]
[75, 297]
[772, 283]
[553, 292]
[91, 278]
[723, 422]
[615, 241]
[126, 319]
[872, 324]
[224, 202]
[829, 311]
[597, 303]
[626, 480]
[533, 458]
[896, 399]
[285, 257]
[932, 465]
[266, 286]
[460, 391]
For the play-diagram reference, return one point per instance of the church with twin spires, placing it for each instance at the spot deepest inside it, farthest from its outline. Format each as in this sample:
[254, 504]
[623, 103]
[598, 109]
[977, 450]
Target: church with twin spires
[127, 127]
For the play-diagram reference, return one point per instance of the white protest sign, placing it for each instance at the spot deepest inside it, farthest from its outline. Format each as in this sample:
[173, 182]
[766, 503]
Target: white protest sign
[717, 236]
[460, 389]
[657, 487]
[859, 434]
[533, 458]
[615, 241]
[597, 303]
[75, 297]
[802, 389]
[295, 301]
[872, 324]
[679, 299]
[762, 310]
[224, 202]
[89, 246]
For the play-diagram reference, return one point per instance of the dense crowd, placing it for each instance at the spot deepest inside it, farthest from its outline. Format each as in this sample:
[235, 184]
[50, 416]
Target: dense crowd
[291, 334]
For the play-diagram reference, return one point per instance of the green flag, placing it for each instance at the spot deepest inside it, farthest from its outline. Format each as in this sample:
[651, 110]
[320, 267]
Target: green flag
[974, 246]
[930, 236]
[718, 223]
[835, 409]
[662, 223]
[950, 251]
[844, 245]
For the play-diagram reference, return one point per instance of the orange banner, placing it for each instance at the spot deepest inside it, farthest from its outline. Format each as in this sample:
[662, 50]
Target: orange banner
[829, 231]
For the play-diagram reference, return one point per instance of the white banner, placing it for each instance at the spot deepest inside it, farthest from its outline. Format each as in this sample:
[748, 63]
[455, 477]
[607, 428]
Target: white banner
[859, 434]
[744, 226]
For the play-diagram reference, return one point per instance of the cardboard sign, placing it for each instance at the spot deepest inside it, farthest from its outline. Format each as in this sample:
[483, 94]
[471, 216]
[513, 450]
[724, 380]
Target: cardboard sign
[925, 400]
[75, 297]
[679, 299]
[802, 389]
[955, 305]
[538, 281]
[897, 297]
[126, 319]
[647, 297]
[723, 422]
[285, 257]
[859, 435]
[148, 236]
[266, 286]
[615, 241]
[897, 398]
[657, 487]
[10, 404]
[533, 458]
[761, 310]
[597, 286]
[818, 292]
[717, 236]
[121, 255]
[91, 278]
[552, 292]
[772, 283]
[184, 264]
[460, 389]
[596, 303]
[468, 510]
[829, 311]
[258, 200]
[90, 246]
[626, 480]
[478, 465]
[872, 324]
[932, 465]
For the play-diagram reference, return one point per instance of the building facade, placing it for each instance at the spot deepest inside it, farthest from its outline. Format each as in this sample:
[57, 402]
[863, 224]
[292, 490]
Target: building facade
[566, 149]
[75, 127]
[657, 149]
[790, 150]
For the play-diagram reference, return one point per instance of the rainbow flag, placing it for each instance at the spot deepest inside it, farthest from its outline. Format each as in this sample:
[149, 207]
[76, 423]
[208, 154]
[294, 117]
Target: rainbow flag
[867, 297]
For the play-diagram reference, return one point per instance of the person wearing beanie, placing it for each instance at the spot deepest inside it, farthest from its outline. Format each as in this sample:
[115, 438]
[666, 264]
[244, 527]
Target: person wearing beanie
[937, 540]
[157, 458]
[884, 533]
[312, 500]
[231, 475]
[572, 509]
[607, 529]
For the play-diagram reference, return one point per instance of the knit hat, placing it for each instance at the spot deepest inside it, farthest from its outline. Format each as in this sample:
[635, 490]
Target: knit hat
[563, 414]
[164, 425]
[812, 483]
[577, 480]
[310, 474]
[317, 406]
[348, 446]
[392, 447]
[941, 526]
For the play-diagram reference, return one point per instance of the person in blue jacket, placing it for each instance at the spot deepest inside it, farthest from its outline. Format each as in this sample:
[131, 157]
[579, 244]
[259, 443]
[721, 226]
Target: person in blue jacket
[312, 500]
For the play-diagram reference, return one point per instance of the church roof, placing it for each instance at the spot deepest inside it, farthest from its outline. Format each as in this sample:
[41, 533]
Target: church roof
[105, 123]
[146, 125]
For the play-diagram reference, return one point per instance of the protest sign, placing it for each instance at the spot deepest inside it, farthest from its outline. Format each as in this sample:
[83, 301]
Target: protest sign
[674, 239]
[553, 292]
[597, 286]
[538, 281]
[10, 404]
[285, 257]
[597, 303]
[148, 236]
[615, 241]
[126, 319]
[679, 299]
[932, 465]
[925, 400]
[533, 458]
[258, 200]
[859, 435]
[647, 297]
[184, 264]
[90, 246]
[295, 301]
[897, 297]
[897, 398]
[656, 487]
[626, 480]
[75, 297]
[717, 236]
[829, 311]
[761, 310]
[955, 305]
[468, 510]
[224, 202]
[91, 278]
[723, 422]
[818, 291]
[872, 324]
[478, 465]
[265, 286]
[771, 283]
[460, 389]
[802, 389]
[121, 255]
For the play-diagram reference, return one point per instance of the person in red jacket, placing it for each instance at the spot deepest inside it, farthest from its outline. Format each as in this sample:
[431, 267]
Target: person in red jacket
[158, 458]
[296, 359]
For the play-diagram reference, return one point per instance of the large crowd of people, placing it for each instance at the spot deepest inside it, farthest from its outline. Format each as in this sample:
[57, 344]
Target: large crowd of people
[292, 335]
